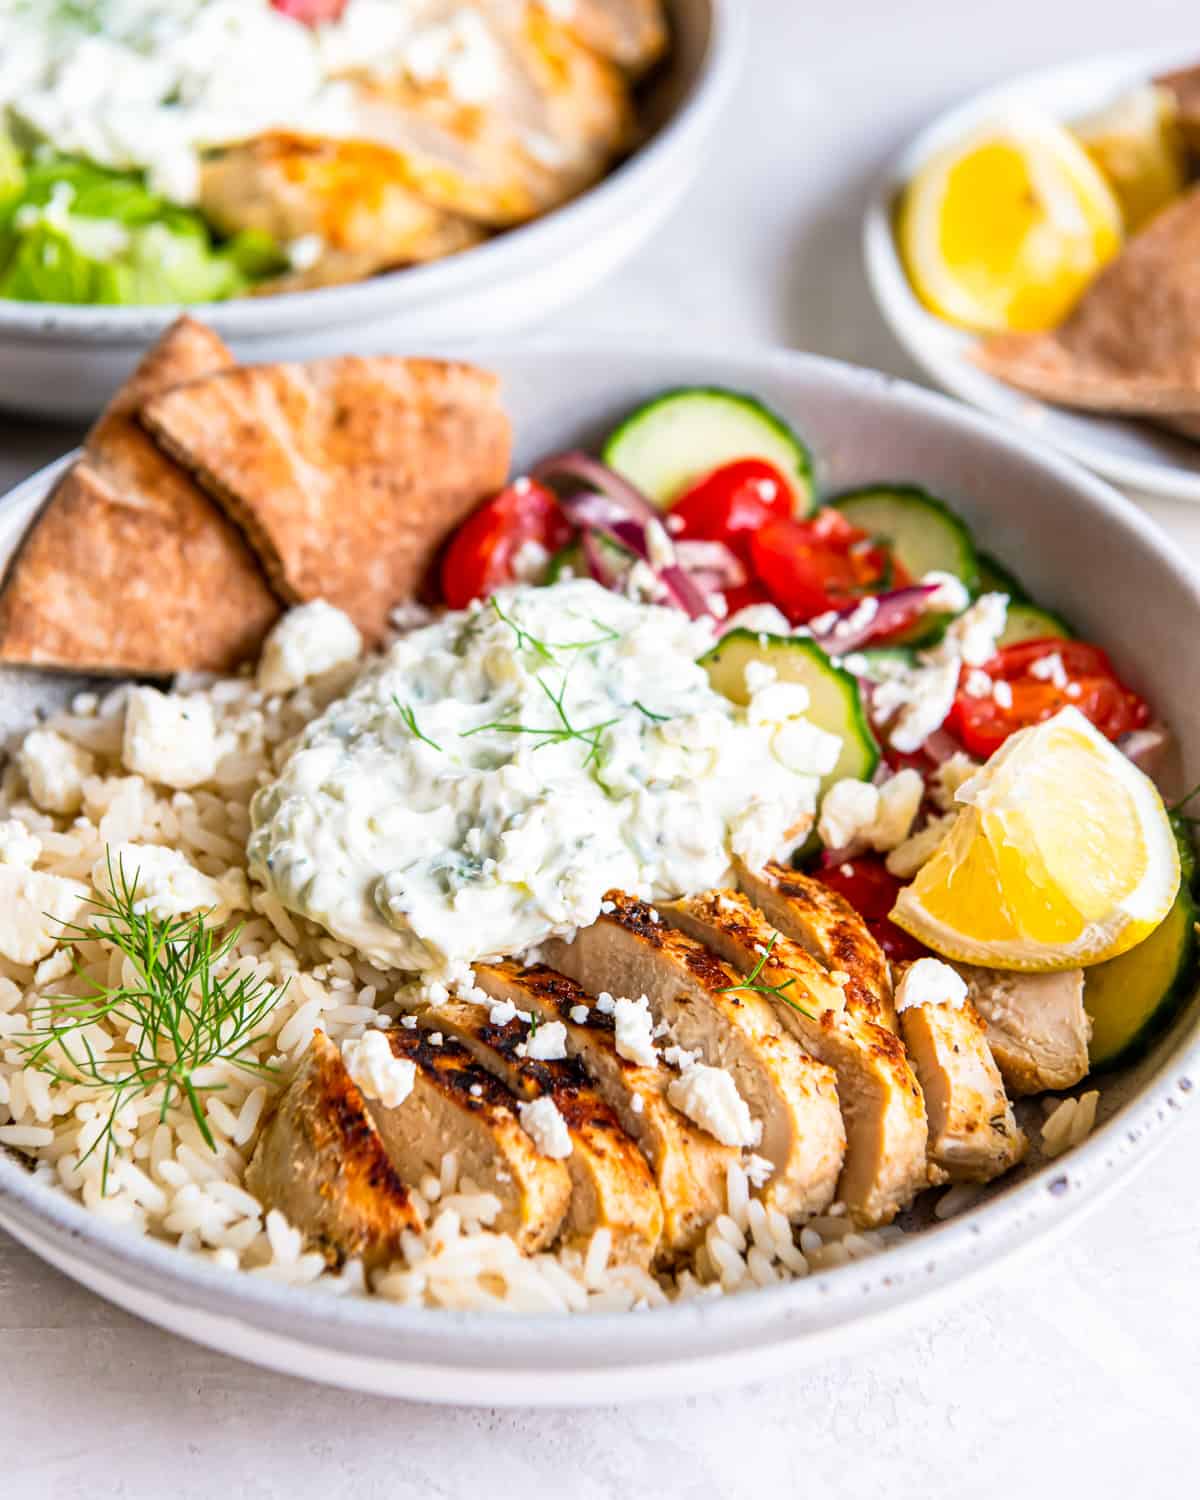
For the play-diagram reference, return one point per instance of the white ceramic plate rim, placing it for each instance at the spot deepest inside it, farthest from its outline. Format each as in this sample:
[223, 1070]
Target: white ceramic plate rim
[521, 248]
[935, 345]
[552, 1359]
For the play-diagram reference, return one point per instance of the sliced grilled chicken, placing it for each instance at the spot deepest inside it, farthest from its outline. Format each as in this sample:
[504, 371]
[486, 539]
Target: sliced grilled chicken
[629, 951]
[829, 927]
[632, 33]
[1036, 1025]
[456, 1106]
[611, 1184]
[354, 198]
[321, 1162]
[881, 1102]
[689, 1167]
[973, 1135]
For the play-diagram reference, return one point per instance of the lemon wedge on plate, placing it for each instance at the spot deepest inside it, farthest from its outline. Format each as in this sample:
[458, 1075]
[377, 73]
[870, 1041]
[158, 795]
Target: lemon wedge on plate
[1062, 855]
[1005, 230]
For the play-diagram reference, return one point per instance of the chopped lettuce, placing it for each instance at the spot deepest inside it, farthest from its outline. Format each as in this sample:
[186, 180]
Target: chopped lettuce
[74, 232]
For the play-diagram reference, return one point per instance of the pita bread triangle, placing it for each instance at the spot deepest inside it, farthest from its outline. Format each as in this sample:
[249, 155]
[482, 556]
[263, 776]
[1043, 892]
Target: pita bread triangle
[129, 567]
[1132, 344]
[346, 474]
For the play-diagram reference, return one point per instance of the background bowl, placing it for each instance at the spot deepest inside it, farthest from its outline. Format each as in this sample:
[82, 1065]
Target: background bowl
[65, 361]
[1039, 514]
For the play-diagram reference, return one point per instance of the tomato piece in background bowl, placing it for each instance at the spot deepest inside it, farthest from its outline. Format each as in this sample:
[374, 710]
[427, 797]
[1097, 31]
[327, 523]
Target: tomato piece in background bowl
[871, 889]
[483, 553]
[811, 567]
[1036, 687]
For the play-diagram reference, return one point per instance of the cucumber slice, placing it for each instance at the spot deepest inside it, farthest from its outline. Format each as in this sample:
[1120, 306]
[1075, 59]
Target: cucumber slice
[571, 558]
[835, 702]
[924, 533]
[1026, 622]
[881, 662]
[994, 578]
[682, 435]
[1133, 998]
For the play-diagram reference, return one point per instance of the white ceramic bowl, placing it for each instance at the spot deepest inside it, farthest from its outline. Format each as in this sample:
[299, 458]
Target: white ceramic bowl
[1129, 452]
[65, 361]
[1041, 515]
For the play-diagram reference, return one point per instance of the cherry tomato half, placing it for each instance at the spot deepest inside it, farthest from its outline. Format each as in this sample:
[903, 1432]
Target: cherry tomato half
[871, 890]
[311, 12]
[731, 503]
[812, 566]
[1083, 677]
[482, 552]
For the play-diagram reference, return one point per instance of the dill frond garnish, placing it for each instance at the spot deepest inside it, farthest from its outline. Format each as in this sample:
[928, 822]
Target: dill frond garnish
[649, 713]
[555, 734]
[775, 991]
[406, 713]
[179, 1013]
[525, 641]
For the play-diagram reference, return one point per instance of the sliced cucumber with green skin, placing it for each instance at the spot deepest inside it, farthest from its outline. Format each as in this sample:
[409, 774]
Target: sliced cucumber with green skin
[994, 578]
[682, 435]
[1026, 622]
[835, 703]
[1134, 997]
[923, 532]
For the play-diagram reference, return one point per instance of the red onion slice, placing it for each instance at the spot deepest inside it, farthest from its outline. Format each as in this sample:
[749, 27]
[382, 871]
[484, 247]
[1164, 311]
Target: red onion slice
[872, 617]
[711, 561]
[589, 471]
[684, 591]
[599, 564]
[1147, 748]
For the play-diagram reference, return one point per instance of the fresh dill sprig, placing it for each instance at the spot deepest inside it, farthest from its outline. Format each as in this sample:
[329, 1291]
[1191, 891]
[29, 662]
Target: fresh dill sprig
[556, 734]
[649, 713]
[179, 1013]
[1176, 808]
[775, 991]
[406, 713]
[525, 641]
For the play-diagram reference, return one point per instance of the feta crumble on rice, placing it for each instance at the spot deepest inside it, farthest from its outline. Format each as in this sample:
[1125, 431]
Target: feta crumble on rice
[378, 1073]
[169, 739]
[709, 1098]
[17, 845]
[55, 770]
[930, 982]
[309, 640]
[548, 1043]
[166, 883]
[545, 1126]
[34, 907]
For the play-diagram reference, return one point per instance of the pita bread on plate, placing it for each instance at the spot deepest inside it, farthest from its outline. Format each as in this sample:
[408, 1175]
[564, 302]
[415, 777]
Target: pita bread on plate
[1132, 345]
[129, 567]
[1184, 85]
[346, 474]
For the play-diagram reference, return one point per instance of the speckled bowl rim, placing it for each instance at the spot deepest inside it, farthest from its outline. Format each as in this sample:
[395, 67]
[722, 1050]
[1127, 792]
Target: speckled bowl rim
[604, 1346]
[517, 251]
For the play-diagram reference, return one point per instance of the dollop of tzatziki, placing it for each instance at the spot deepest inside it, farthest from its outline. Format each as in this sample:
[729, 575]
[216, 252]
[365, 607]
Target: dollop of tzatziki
[492, 775]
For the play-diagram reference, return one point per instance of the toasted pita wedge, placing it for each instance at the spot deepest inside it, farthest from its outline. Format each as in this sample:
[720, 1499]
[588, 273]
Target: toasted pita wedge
[355, 197]
[1185, 86]
[347, 474]
[1133, 343]
[130, 567]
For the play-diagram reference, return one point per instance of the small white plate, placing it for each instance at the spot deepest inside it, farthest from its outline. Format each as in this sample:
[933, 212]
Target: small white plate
[1129, 452]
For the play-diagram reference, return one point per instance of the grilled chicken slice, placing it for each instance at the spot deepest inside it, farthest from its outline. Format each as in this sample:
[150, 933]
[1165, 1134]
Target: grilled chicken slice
[832, 931]
[973, 1135]
[689, 1167]
[1036, 1025]
[611, 1185]
[356, 198]
[632, 33]
[554, 118]
[456, 1106]
[629, 951]
[321, 1162]
[881, 1102]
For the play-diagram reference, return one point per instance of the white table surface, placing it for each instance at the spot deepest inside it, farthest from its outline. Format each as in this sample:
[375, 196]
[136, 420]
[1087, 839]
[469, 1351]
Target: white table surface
[1078, 1369]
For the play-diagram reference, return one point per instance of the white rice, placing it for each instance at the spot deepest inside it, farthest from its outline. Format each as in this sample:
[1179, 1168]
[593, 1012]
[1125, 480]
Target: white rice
[166, 1182]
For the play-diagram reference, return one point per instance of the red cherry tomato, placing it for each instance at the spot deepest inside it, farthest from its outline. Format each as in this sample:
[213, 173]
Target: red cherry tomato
[482, 551]
[812, 566]
[1086, 680]
[311, 12]
[869, 888]
[731, 503]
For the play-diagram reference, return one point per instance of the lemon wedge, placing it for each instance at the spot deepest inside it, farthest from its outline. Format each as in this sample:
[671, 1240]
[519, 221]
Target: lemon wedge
[1138, 146]
[1006, 230]
[1062, 855]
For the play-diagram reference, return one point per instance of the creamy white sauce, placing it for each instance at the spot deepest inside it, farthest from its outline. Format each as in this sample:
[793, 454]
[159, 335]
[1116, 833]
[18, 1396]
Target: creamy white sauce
[149, 84]
[408, 827]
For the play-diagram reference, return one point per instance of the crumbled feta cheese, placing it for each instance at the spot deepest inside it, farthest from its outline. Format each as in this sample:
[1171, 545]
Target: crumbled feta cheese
[907, 858]
[17, 845]
[54, 768]
[476, 1091]
[635, 1031]
[169, 739]
[972, 637]
[680, 1057]
[849, 809]
[377, 1071]
[579, 1014]
[709, 1098]
[977, 684]
[949, 776]
[33, 910]
[776, 702]
[758, 675]
[502, 1013]
[1002, 693]
[605, 1003]
[304, 252]
[930, 982]
[900, 799]
[759, 619]
[548, 1043]
[545, 1126]
[435, 1039]
[951, 593]
[1050, 669]
[926, 706]
[163, 881]
[409, 1023]
[758, 1169]
[637, 1104]
[309, 640]
[529, 561]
